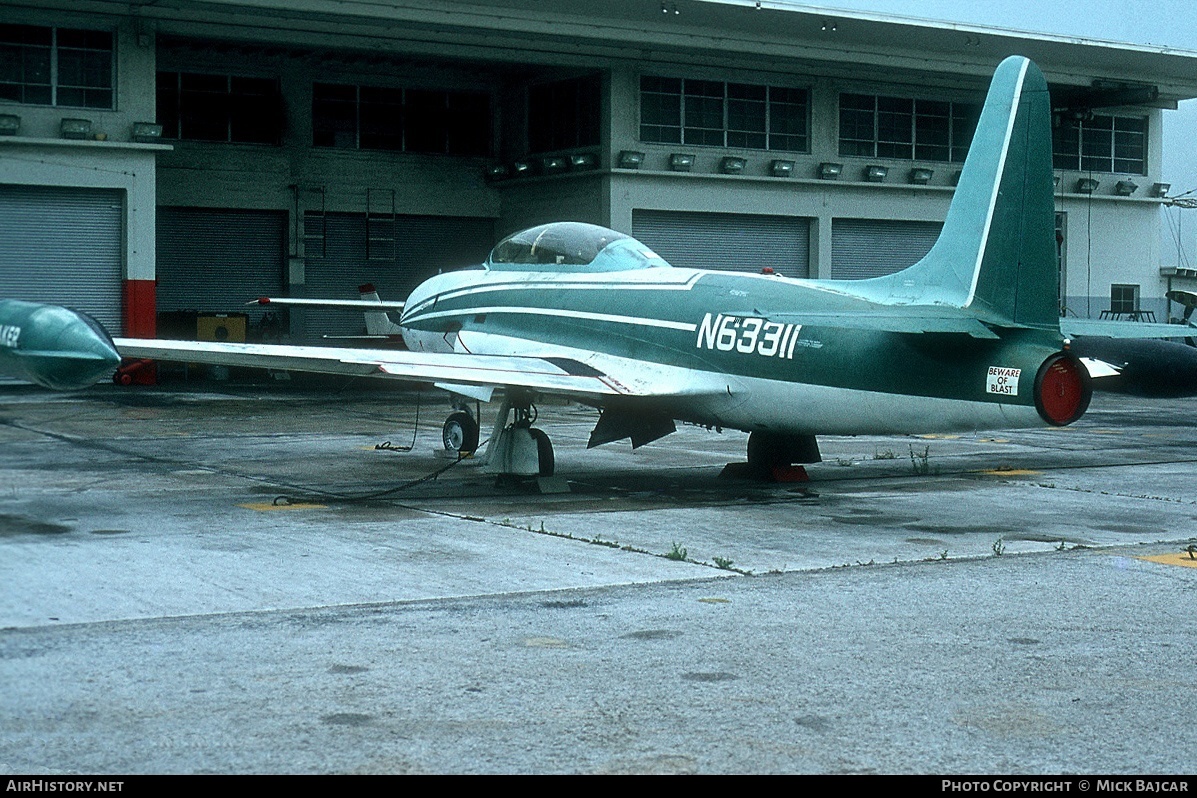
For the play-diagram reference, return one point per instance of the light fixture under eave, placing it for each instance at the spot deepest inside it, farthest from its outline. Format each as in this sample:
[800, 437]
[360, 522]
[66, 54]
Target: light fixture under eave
[830, 171]
[520, 168]
[782, 168]
[875, 173]
[921, 176]
[681, 161]
[75, 128]
[1160, 189]
[732, 165]
[497, 171]
[553, 164]
[1086, 185]
[9, 124]
[147, 132]
[630, 159]
[1124, 188]
[580, 161]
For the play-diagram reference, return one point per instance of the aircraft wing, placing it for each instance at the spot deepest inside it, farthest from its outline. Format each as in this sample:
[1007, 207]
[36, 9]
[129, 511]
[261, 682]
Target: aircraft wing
[1125, 329]
[554, 375]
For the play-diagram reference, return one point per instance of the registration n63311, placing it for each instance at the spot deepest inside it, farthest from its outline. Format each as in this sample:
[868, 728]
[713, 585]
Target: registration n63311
[748, 335]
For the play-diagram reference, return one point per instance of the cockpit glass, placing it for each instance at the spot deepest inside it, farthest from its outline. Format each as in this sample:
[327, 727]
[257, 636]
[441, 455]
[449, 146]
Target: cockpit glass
[560, 243]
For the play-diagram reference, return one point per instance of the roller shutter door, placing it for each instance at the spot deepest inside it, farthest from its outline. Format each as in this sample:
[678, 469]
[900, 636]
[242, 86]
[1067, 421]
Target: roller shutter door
[728, 241]
[396, 256]
[63, 246]
[216, 260]
[863, 248]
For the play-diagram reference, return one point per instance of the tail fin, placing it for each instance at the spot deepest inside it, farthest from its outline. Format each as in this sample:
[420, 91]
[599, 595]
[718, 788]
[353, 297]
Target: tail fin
[377, 322]
[996, 254]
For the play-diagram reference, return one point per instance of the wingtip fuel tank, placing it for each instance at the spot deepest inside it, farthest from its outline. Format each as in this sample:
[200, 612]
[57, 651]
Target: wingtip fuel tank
[53, 346]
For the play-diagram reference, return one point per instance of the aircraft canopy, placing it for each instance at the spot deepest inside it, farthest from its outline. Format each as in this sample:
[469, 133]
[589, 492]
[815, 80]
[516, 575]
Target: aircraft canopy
[558, 244]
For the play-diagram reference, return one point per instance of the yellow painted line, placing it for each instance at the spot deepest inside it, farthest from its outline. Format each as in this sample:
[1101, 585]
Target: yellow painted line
[994, 440]
[938, 437]
[1176, 558]
[266, 507]
[1013, 472]
[715, 601]
[1106, 431]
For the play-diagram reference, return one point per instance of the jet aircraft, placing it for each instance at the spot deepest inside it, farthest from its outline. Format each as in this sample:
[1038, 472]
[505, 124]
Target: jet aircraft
[54, 346]
[966, 339]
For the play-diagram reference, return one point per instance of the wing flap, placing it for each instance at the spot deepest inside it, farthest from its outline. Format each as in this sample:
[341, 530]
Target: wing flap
[908, 322]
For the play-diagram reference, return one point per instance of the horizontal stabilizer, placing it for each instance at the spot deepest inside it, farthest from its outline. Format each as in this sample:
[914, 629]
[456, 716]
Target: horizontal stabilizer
[1099, 368]
[346, 304]
[1125, 329]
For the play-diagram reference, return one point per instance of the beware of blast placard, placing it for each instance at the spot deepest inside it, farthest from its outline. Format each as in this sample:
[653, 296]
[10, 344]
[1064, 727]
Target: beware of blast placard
[1003, 381]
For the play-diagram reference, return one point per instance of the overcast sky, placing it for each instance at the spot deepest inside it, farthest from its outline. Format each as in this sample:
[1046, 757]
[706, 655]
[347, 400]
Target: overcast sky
[1163, 23]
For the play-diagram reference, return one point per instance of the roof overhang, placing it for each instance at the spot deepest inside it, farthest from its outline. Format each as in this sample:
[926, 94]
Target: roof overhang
[767, 35]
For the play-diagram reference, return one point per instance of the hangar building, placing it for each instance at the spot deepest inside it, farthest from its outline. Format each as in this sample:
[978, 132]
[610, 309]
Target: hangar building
[158, 157]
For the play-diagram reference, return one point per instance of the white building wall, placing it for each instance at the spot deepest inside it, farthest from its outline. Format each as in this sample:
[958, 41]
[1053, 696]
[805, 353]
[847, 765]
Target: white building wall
[1111, 241]
[95, 164]
[39, 155]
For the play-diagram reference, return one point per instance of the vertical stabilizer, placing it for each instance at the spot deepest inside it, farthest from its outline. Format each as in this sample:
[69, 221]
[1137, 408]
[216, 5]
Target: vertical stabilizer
[377, 321]
[996, 254]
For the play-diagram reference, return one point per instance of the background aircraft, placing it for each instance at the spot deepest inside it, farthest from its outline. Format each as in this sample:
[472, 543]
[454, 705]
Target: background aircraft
[53, 346]
[967, 338]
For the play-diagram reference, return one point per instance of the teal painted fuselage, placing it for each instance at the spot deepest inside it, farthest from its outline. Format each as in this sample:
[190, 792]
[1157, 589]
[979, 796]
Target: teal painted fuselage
[968, 337]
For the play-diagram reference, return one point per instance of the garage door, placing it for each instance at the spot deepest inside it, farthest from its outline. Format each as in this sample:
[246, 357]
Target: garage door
[730, 241]
[216, 260]
[863, 248]
[63, 246]
[397, 255]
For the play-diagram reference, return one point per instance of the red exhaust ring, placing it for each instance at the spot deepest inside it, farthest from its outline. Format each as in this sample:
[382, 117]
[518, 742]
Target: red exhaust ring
[1062, 390]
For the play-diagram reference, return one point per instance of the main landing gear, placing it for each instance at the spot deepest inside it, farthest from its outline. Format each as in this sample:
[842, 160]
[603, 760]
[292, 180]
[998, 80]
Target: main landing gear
[517, 451]
[772, 456]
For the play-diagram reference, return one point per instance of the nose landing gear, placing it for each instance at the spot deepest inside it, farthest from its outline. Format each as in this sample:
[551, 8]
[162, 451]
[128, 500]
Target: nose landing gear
[460, 433]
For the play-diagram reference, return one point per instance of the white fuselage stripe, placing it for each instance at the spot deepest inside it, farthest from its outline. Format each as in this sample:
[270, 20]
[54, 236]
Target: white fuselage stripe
[557, 312]
[997, 183]
[516, 284]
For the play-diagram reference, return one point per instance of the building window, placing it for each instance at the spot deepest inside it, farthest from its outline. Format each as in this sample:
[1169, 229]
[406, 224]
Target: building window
[1124, 299]
[905, 129]
[1115, 144]
[716, 114]
[564, 115]
[195, 107]
[56, 66]
[401, 120]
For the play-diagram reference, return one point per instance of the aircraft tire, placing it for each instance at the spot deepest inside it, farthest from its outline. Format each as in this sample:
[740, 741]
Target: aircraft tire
[460, 433]
[768, 451]
[544, 452]
[765, 452]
